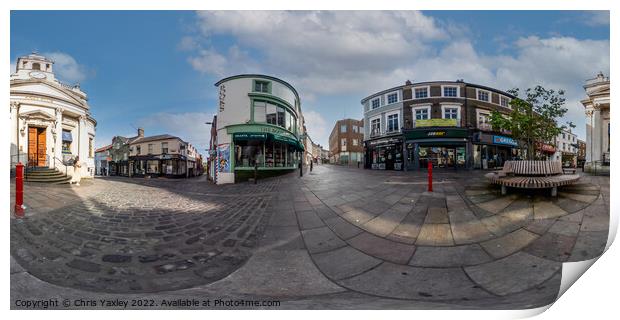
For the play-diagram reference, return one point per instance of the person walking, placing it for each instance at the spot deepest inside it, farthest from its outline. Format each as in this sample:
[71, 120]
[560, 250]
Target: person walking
[75, 179]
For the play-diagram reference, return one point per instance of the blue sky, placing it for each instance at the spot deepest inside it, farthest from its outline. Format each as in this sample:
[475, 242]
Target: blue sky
[156, 69]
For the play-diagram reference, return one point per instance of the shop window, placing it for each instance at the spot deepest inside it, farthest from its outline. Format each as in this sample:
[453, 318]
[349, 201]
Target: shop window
[450, 91]
[281, 118]
[421, 113]
[392, 122]
[152, 166]
[249, 152]
[375, 103]
[164, 147]
[392, 98]
[421, 93]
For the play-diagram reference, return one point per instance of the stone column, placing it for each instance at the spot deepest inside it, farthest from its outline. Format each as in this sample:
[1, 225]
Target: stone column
[14, 132]
[58, 135]
[589, 135]
[83, 144]
[597, 134]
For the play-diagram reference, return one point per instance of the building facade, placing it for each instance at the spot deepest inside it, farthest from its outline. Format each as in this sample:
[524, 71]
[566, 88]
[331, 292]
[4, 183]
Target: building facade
[102, 161]
[566, 146]
[581, 153]
[259, 122]
[162, 156]
[597, 121]
[346, 142]
[445, 123]
[51, 122]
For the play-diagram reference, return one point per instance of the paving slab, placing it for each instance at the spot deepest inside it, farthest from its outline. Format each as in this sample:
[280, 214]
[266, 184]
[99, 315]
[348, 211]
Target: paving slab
[589, 245]
[385, 223]
[407, 282]
[567, 228]
[359, 216]
[321, 240]
[435, 235]
[382, 248]
[547, 210]
[508, 244]
[449, 256]
[513, 274]
[343, 228]
[437, 215]
[539, 226]
[498, 204]
[308, 220]
[472, 231]
[552, 246]
[344, 262]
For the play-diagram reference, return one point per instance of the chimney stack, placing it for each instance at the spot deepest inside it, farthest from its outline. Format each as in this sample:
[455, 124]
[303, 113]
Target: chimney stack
[141, 132]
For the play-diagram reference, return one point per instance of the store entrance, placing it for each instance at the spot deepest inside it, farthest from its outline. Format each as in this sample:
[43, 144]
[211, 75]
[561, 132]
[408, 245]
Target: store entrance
[441, 157]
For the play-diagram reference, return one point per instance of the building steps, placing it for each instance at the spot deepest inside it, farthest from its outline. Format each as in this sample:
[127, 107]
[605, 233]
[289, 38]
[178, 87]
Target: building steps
[46, 175]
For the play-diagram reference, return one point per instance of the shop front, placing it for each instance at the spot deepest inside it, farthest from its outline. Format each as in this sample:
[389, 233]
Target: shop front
[269, 150]
[444, 148]
[163, 165]
[491, 151]
[384, 154]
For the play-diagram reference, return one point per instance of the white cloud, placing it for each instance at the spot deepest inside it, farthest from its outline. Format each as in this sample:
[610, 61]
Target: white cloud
[189, 126]
[67, 68]
[358, 53]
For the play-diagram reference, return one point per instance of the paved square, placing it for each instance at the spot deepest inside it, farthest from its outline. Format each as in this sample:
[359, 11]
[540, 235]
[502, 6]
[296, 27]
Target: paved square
[336, 234]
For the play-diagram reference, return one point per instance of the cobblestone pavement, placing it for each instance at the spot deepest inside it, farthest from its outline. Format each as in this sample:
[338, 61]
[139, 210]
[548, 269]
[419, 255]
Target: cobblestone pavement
[336, 238]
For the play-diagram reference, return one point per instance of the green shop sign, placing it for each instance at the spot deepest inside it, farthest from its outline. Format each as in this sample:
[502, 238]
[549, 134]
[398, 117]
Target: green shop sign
[249, 136]
[436, 133]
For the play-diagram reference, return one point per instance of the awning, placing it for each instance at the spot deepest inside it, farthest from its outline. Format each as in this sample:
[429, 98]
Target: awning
[66, 136]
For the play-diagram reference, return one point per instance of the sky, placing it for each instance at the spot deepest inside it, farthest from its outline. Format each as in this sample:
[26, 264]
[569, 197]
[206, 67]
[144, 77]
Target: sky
[157, 69]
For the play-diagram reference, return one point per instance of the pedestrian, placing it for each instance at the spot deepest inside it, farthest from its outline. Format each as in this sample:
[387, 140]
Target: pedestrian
[76, 177]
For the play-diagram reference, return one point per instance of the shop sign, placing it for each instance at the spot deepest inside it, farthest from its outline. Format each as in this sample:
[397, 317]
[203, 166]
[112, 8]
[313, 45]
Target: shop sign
[249, 136]
[546, 147]
[257, 128]
[449, 133]
[505, 141]
[435, 123]
[384, 141]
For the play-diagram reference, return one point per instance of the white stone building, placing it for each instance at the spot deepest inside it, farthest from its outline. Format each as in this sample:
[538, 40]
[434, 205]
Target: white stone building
[259, 122]
[50, 121]
[597, 120]
[566, 149]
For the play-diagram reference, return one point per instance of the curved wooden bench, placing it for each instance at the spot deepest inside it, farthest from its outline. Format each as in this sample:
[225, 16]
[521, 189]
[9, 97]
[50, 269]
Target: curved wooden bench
[530, 174]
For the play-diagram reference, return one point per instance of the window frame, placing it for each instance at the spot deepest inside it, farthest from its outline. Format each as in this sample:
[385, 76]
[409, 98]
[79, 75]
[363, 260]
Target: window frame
[371, 120]
[508, 101]
[387, 95]
[387, 121]
[451, 106]
[372, 107]
[478, 91]
[257, 81]
[485, 112]
[428, 92]
[415, 108]
[443, 91]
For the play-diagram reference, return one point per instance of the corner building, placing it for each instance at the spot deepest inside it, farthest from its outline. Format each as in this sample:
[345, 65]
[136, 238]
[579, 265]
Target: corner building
[259, 121]
[446, 123]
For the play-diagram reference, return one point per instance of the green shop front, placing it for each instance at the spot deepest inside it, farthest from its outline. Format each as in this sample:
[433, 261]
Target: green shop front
[444, 148]
[268, 148]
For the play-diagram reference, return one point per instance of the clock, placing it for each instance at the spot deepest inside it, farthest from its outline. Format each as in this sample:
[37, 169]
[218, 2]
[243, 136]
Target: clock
[37, 75]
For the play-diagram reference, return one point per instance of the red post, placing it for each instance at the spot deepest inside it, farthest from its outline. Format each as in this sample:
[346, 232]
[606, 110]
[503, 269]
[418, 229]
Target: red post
[19, 190]
[430, 176]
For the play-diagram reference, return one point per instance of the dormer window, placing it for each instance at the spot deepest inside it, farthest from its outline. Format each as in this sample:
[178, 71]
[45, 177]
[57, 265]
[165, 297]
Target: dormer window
[36, 66]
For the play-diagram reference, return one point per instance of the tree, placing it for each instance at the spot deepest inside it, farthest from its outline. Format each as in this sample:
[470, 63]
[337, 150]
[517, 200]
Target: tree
[533, 119]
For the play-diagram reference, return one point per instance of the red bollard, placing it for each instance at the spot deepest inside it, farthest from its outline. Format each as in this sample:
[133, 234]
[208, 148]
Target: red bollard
[19, 190]
[430, 176]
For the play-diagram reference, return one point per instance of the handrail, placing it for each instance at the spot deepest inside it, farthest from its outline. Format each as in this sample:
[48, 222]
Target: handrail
[61, 162]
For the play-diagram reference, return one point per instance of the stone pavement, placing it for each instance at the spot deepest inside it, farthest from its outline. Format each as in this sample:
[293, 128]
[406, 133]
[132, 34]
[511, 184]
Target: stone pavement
[338, 238]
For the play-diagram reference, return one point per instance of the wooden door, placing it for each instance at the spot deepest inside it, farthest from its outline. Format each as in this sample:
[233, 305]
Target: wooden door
[41, 147]
[32, 146]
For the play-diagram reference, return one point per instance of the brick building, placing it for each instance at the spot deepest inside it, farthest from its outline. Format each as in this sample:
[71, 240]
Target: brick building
[346, 142]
